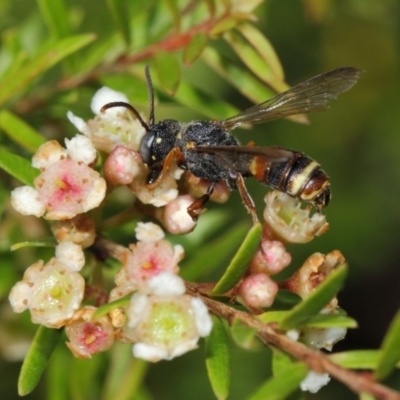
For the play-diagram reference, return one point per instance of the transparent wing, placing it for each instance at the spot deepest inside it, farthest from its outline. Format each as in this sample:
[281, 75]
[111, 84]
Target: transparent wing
[309, 96]
[239, 158]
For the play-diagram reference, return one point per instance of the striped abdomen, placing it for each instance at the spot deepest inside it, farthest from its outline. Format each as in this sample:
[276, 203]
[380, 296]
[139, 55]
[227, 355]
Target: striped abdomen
[299, 176]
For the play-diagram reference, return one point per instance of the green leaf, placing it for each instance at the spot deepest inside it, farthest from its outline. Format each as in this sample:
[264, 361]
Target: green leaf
[55, 14]
[217, 359]
[316, 301]
[20, 132]
[224, 25]
[37, 358]
[243, 336]
[390, 354]
[106, 308]
[282, 384]
[119, 11]
[125, 375]
[238, 265]
[272, 316]
[241, 79]
[357, 359]
[175, 12]
[323, 321]
[194, 49]
[17, 166]
[203, 103]
[46, 59]
[22, 245]
[196, 267]
[263, 47]
[168, 71]
[252, 59]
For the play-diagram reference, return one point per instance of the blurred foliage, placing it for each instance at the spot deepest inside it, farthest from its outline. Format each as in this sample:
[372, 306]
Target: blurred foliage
[54, 55]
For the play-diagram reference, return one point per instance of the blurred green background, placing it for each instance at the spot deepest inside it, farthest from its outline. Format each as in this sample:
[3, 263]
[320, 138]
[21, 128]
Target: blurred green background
[357, 142]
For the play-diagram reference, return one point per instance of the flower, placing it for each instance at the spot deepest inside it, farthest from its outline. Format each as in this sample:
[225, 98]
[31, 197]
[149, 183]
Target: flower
[166, 323]
[313, 272]
[79, 230]
[116, 126]
[67, 185]
[51, 292]
[314, 381]
[148, 259]
[87, 336]
[289, 222]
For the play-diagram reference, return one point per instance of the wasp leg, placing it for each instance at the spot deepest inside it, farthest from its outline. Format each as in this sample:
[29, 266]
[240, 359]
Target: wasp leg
[196, 207]
[174, 154]
[247, 200]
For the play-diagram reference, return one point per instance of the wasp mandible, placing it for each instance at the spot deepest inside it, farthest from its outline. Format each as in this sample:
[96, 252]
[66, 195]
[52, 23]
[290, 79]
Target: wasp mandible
[209, 151]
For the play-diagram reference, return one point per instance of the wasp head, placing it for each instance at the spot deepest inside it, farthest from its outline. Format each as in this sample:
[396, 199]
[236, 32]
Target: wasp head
[156, 144]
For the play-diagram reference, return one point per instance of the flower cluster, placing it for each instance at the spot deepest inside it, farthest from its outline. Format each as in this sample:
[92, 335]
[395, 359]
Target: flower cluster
[285, 222]
[158, 318]
[161, 320]
[67, 188]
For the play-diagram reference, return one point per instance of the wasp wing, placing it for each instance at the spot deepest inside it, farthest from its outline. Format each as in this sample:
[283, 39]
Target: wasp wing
[240, 158]
[311, 95]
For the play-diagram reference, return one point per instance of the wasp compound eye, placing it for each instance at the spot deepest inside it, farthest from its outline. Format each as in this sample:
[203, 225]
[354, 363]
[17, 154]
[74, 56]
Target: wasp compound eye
[146, 147]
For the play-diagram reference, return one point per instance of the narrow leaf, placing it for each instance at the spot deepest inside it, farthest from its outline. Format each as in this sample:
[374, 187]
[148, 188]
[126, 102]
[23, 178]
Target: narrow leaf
[17, 166]
[125, 375]
[390, 354]
[252, 59]
[203, 103]
[263, 47]
[53, 54]
[119, 11]
[224, 25]
[240, 261]
[314, 303]
[112, 305]
[37, 358]
[196, 267]
[194, 49]
[55, 14]
[22, 245]
[357, 359]
[243, 335]
[283, 384]
[217, 359]
[323, 321]
[272, 316]
[242, 79]
[168, 71]
[175, 12]
[20, 132]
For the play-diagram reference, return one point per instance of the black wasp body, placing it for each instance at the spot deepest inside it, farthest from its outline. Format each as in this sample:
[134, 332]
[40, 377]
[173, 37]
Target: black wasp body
[209, 151]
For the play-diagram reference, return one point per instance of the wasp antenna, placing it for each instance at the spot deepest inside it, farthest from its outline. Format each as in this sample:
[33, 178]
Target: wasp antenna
[128, 107]
[150, 91]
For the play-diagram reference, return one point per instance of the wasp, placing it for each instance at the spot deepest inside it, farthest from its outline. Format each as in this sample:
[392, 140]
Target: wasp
[209, 151]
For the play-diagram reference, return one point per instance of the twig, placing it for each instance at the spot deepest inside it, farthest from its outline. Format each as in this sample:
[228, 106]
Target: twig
[316, 360]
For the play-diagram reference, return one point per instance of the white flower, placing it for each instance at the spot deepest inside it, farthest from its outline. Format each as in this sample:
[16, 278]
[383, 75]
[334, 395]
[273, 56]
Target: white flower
[71, 255]
[289, 221]
[314, 381]
[148, 232]
[107, 95]
[116, 126]
[166, 323]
